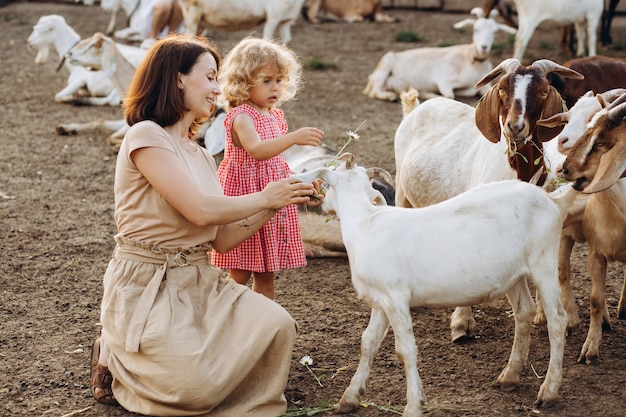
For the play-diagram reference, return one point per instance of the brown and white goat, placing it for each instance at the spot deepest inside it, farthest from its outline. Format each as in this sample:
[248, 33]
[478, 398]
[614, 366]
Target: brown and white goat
[441, 148]
[602, 224]
[598, 159]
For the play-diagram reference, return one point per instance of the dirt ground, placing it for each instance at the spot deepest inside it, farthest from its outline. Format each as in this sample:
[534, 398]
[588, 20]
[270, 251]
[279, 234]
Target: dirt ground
[56, 217]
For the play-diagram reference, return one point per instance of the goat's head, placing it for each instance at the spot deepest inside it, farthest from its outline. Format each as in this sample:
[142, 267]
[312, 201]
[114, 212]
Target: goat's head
[349, 177]
[598, 159]
[43, 36]
[513, 106]
[89, 52]
[485, 29]
[575, 120]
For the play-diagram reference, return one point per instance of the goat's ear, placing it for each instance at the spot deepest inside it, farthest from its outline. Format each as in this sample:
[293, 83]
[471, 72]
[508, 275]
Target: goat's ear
[552, 106]
[487, 115]
[611, 169]
[507, 29]
[557, 120]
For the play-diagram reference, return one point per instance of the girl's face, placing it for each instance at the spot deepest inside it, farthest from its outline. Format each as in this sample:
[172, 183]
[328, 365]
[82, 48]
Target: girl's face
[200, 86]
[268, 88]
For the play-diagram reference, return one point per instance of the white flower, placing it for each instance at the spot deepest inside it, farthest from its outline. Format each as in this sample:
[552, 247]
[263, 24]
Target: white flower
[306, 360]
[353, 135]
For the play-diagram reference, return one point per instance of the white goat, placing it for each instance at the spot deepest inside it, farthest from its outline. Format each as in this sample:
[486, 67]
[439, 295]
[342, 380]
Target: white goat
[441, 147]
[450, 71]
[349, 10]
[585, 14]
[93, 87]
[242, 15]
[53, 31]
[429, 264]
[102, 53]
[129, 7]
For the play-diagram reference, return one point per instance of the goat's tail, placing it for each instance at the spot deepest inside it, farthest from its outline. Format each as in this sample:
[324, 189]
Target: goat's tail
[410, 100]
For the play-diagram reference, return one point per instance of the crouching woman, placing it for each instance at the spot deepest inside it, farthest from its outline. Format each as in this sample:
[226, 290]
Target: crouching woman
[177, 337]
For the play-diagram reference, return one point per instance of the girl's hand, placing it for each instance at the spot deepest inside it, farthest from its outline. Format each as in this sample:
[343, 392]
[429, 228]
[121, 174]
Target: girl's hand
[308, 136]
[287, 191]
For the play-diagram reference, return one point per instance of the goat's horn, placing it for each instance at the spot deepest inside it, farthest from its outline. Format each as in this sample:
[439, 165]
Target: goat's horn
[373, 172]
[546, 66]
[617, 109]
[611, 95]
[349, 158]
[506, 66]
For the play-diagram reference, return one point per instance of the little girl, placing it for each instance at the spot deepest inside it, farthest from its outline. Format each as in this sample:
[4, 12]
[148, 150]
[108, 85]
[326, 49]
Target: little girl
[257, 76]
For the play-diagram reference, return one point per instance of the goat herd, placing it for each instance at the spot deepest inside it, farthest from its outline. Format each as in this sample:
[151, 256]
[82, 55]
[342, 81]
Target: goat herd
[520, 177]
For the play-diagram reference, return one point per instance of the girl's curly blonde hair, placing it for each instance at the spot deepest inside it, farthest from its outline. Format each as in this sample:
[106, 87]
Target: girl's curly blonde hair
[242, 67]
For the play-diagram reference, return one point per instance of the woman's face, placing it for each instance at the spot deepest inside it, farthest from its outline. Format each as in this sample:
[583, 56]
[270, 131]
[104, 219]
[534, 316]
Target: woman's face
[200, 86]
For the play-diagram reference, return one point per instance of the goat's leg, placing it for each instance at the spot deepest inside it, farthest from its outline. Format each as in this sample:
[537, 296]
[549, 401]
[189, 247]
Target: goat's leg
[557, 324]
[399, 316]
[271, 24]
[462, 324]
[524, 33]
[581, 38]
[567, 296]
[285, 31]
[74, 128]
[597, 270]
[67, 94]
[592, 36]
[523, 307]
[112, 23]
[370, 343]
[621, 307]
[313, 10]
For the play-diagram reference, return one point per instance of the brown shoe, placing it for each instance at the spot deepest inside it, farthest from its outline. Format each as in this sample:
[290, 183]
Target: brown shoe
[101, 378]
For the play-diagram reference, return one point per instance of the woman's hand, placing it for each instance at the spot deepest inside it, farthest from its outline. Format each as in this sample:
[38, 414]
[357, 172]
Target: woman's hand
[287, 191]
[317, 198]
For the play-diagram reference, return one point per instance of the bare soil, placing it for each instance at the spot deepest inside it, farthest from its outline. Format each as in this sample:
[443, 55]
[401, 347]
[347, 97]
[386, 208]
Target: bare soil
[56, 226]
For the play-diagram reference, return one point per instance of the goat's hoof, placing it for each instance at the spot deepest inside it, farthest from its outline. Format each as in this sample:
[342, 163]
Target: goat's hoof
[460, 336]
[588, 359]
[346, 408]
[63, 131]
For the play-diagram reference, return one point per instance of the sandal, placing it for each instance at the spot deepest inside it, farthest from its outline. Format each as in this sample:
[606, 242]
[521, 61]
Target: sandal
[101, 378]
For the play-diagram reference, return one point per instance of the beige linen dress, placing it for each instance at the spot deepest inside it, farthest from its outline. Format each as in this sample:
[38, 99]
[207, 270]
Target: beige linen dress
[180, 339]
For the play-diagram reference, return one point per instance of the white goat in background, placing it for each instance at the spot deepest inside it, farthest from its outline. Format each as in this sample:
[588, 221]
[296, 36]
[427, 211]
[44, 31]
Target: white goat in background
[431, 264]
[84, 85]
[449, 71]
[93, 87]
[585, 14]
[102, 53]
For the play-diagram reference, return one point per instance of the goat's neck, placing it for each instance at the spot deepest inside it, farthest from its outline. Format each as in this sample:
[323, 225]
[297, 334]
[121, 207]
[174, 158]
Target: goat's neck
[355, 212]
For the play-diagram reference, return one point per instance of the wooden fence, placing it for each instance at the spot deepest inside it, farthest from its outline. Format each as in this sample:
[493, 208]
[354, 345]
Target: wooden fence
[441, 5]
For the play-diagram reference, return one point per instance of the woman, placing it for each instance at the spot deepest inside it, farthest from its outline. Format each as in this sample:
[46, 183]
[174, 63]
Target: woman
[177, 338]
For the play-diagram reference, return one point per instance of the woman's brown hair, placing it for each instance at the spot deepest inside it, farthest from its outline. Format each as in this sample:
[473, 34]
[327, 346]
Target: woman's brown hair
[153, 93]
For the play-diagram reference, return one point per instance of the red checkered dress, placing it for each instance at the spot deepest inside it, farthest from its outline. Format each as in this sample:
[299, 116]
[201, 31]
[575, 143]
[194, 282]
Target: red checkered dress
[278, 245]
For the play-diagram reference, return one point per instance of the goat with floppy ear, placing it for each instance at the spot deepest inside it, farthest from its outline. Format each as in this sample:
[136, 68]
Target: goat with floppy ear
[598, 159]
[548, 101]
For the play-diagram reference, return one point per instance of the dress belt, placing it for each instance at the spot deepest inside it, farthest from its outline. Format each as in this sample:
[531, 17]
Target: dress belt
[138, 251]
